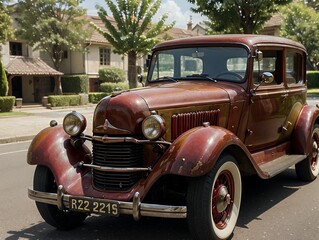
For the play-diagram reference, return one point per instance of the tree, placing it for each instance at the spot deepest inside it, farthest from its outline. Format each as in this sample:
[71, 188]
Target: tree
[5, 24]
[237, 16]
[133, 34]
[312, 3]
[53, 26]
[301, 23]
[3, 81]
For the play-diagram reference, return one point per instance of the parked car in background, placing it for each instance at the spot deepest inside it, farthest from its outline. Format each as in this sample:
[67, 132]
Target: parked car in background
[214, 109]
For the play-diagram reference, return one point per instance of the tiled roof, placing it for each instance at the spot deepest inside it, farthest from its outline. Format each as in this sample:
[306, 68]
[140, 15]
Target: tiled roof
[20, 65]
[98, 38]
[274, 21]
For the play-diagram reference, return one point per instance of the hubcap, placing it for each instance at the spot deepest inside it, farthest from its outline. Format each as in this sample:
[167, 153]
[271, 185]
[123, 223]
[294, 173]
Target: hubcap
[222, 199]
[314, 159]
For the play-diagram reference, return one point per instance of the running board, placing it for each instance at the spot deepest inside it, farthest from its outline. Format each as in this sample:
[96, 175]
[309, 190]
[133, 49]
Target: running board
[280, 164]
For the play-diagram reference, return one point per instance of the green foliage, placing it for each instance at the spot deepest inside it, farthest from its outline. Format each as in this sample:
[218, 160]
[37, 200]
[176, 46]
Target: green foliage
[53, 26]
[301, 23]
[95, 97]
[75, 83]
[112, 74]
[6, 31]
[111, 87]
[237, 16]
[312, 79]
[134, 34]
[7, 103]
[4, 87]
[64, 100]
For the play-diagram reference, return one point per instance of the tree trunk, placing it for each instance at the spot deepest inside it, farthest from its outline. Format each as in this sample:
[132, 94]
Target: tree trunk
[132, 58]
[58, 86]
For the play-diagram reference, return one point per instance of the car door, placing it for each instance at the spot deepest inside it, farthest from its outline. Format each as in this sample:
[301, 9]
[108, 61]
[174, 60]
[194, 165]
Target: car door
[268, 103]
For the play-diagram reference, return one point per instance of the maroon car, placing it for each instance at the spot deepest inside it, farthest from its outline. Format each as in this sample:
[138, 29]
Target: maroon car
[214, 109]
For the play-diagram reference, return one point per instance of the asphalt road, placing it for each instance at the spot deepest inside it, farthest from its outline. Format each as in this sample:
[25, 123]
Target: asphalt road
[279, 208]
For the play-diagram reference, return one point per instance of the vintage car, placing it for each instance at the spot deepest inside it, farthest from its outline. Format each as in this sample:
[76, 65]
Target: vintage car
[213, 109]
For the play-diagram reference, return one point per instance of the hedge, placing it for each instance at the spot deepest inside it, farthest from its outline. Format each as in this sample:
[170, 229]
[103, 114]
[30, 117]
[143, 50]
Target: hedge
[64, 100]
[111, 87]
[313, 79]
[111, 74]
[75, 83]
[7, 103]
[95, 97]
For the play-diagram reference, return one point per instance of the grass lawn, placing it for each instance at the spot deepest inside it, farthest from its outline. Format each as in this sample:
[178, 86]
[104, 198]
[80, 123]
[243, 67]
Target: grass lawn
[13, 114]
[313, 91]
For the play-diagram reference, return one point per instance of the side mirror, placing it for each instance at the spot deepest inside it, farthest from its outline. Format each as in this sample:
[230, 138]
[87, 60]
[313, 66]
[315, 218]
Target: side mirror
[267, 77]
[140, 79]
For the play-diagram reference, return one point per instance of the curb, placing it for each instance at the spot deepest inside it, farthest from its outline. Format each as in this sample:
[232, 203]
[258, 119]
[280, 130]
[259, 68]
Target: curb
[16, 139]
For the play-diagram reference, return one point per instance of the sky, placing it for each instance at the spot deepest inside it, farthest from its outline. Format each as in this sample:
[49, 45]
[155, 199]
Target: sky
[177, 10]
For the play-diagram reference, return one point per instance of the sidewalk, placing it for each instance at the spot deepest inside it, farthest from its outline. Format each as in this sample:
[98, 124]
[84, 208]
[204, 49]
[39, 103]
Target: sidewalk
[34, 119]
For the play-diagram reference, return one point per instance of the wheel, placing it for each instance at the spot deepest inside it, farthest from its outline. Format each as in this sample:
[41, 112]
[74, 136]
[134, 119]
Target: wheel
[236, 75]
[308, 169]
[213, 201]
[64, 220]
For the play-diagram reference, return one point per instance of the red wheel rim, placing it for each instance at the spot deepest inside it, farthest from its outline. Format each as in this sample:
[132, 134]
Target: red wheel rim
[314, 158]
[223, 195]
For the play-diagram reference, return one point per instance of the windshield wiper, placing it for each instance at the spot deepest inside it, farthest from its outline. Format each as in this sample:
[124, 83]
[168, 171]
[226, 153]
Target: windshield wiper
[202, 76]
[165, 78]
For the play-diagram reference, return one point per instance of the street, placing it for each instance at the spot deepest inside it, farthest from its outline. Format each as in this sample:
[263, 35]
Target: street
[279, 208]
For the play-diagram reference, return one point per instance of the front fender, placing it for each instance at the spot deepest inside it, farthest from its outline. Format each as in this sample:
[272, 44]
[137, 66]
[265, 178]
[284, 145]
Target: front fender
[52, 148]
[195, 152]
[302, 135]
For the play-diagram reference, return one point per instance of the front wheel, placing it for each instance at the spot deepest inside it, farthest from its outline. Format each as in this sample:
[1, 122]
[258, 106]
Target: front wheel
[213, 201]
[308, 169]
[44, 181]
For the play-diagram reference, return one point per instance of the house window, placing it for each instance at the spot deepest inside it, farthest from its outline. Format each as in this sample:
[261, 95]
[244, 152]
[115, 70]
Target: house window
[15, 49]
[105, 56]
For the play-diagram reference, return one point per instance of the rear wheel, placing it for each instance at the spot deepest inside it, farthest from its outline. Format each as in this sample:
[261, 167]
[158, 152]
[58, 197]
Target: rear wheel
[213, 201]
[44, 181]
[308, 169]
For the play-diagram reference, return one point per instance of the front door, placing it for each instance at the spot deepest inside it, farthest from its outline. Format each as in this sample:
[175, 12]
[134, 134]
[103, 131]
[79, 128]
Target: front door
[17, 86]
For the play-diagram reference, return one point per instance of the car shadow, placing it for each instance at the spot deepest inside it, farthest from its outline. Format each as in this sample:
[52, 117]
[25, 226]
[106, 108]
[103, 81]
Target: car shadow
[258, 197]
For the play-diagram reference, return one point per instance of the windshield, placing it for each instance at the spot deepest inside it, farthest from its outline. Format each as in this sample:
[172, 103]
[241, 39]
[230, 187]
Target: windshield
[214, 63]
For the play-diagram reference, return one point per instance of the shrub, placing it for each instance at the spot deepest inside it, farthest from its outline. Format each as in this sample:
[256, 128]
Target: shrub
[64, 100]
[4, 86]
[75, 83]
[313, 79]
[112, 74]
[95, 97]
[7, 103]
[111, 87]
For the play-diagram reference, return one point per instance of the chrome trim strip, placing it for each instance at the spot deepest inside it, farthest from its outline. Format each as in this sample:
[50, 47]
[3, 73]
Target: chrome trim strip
[112, 169]
[106, 139]
[136, 208]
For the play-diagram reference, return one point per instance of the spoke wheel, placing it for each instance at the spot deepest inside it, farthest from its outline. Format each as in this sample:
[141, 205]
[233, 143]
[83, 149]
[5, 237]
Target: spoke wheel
[214, 200]
[64, 220]
[308, 169]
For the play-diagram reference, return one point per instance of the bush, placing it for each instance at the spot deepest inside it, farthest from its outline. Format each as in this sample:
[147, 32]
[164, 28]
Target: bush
[64, 100]
[95, 97]
[7, 103]
[112, 74]
[313, 79]
[4, 86]
[108, 87]
[75, 83]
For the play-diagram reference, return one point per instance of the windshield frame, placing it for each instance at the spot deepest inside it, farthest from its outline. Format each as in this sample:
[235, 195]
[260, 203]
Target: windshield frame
[203, 75]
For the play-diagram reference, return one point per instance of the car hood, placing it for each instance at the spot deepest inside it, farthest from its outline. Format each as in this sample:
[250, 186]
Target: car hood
[126, 110]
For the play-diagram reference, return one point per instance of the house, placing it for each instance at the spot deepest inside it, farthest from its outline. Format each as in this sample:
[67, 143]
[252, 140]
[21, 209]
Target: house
[31, 74]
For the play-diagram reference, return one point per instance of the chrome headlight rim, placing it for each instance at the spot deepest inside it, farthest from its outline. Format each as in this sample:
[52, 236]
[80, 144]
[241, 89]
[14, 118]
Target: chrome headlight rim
[74, 124]
[153, 127]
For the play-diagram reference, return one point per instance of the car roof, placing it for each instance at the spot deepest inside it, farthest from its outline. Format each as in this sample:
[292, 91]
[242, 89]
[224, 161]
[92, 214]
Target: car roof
[245, 39]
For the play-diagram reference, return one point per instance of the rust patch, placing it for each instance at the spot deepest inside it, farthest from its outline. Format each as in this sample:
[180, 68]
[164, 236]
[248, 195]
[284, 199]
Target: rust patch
[197, 167]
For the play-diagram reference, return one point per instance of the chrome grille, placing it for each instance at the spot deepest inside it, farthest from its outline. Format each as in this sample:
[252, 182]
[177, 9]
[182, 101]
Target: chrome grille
[184, 121]
[121, 155]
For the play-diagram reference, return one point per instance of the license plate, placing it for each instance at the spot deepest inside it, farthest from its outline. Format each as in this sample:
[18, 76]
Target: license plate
[102, 207]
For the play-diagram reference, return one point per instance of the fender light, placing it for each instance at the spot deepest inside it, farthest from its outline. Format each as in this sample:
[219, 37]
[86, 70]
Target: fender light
[153, 127]
[74, 124]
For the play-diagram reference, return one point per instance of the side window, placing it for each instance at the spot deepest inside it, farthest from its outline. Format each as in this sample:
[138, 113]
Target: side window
[294, 68]
[271, 62]
[164, 66]
[190, 65]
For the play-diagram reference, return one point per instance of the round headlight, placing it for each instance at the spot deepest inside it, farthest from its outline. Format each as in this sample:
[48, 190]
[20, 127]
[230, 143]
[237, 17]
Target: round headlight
[153, 127]
[74, 124]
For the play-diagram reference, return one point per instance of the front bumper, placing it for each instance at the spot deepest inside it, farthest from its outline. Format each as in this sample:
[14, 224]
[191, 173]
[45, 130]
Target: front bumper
[135, 208]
